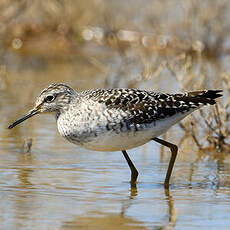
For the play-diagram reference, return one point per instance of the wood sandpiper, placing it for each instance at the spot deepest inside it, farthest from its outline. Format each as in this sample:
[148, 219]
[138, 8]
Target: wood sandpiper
[118, 119]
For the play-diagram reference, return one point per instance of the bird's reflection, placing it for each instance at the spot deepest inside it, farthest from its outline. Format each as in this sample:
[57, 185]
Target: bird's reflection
[104, 220]
[172, 212]
[171, 223]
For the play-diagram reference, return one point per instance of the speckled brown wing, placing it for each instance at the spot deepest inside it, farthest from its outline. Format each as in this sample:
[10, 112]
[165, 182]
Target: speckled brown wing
[144, 107]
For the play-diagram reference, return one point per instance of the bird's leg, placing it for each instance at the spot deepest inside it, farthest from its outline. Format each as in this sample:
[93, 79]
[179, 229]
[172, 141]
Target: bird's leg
[134, 172]
[174, 150]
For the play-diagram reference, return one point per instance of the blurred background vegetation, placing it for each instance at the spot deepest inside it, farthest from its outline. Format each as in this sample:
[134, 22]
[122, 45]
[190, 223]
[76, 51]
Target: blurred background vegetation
[169, 45]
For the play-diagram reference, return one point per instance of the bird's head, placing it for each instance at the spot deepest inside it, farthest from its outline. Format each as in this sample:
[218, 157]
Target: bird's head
[55, 98]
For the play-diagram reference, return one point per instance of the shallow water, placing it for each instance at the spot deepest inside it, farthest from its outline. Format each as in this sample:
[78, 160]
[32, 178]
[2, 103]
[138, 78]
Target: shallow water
[61, 186]
[58, 185]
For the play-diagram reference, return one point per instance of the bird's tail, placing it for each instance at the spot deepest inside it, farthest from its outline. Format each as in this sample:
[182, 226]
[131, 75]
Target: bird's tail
[205, 97]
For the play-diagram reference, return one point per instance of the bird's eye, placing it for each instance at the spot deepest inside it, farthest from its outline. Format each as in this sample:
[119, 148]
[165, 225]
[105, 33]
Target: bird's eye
[49, 98]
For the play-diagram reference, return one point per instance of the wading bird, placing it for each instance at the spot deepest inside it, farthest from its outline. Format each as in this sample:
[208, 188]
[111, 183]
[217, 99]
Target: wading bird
[118, 119]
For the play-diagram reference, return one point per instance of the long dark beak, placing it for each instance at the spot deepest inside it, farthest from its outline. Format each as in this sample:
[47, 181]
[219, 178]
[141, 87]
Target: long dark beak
[25, 117]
